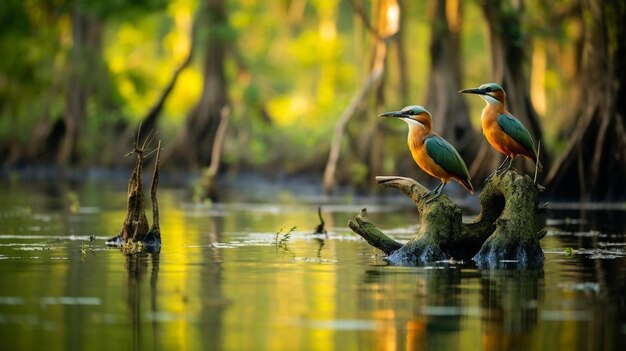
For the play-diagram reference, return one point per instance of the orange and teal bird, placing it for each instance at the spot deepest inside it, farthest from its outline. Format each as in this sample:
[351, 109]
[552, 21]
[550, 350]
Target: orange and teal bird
[432, 153]
[503, 131]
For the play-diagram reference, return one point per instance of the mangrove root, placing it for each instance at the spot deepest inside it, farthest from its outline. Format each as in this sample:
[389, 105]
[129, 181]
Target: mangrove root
[506, 232]
[136, 234]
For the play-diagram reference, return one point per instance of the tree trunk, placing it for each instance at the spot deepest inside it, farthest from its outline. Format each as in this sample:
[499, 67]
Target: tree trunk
[386, 27]
[373, 140]
[506, 39]
[88, 83]
[76, 91]
[207, 183]
[506, 232]
[329, 180]
[192, 147]
[595, 159]
[150, 120]
[447, 106]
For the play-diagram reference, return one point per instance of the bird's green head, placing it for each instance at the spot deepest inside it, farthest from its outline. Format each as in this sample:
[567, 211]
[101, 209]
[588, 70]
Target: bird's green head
[490, 92]
[412, 115]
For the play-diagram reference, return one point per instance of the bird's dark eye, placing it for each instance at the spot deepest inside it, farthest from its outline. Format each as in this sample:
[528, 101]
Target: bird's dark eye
[488, 89]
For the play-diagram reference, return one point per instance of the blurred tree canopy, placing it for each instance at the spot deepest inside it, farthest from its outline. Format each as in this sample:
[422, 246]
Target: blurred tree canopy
[78, 75]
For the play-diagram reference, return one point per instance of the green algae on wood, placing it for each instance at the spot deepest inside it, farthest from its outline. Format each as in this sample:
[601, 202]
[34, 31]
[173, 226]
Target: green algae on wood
[515, 237]
[506, 231]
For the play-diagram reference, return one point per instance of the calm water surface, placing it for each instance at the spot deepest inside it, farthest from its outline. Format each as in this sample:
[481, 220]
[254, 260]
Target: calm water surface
[224, 279]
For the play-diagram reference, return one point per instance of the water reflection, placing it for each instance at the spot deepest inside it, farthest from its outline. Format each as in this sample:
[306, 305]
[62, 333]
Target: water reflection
[211, 292]
[508, 301]
[436, 311]
[137, 267]
[583, 219]
[415, 311]
[319, 249]
[220, 282]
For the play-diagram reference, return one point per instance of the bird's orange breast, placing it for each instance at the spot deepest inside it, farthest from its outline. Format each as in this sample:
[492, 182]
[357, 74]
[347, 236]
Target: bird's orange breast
[423, 160]
[500, 140]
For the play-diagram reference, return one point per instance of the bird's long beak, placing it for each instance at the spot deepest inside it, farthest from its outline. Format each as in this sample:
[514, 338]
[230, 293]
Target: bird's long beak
[473, 91]
[398, 114]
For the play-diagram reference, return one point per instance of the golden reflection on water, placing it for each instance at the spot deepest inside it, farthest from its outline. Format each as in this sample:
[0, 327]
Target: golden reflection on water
[222, 282]
[276, 307]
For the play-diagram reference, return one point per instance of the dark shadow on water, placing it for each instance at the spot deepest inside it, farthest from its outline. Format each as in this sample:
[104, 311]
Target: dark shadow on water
[584, 219]
[137, 268]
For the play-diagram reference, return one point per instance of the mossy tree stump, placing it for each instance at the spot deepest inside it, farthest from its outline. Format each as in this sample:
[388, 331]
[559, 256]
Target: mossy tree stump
[505, 233]
[136, 234]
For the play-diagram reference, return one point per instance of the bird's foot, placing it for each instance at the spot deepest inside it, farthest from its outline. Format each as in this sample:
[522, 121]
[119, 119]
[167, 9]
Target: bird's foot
[432, 198]
[496, 172]
[501, 169]
[504, 170]
[431, 195]
[425, 195]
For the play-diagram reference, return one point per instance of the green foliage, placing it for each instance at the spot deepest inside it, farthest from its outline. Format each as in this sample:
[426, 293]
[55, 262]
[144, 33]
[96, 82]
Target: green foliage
[39, 59]
[119, 9]
[290, 72]
[282, 238]
[26, 69]
[358, 172]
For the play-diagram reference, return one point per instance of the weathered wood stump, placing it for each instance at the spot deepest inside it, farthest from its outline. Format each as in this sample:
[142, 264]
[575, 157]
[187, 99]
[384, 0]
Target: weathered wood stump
[136, 234]
[506, 233]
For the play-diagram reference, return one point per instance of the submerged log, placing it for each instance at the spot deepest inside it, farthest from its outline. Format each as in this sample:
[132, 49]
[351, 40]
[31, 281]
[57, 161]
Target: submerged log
[136, 234]
[505, 233]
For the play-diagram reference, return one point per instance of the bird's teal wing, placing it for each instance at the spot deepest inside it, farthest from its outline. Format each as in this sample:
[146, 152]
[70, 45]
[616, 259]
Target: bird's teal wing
[446, 156]
[514, 128]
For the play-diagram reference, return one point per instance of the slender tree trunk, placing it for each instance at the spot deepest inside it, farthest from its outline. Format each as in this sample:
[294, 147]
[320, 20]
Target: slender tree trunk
[150, 121]
[45, 137]
[207, 183]
[508, 55]
[88, 81]
[76, 91]
[386, 27]
[595, 159]
[372, 142]
[192, 147]
[402, 58]
[447, 106]
[358, 99]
